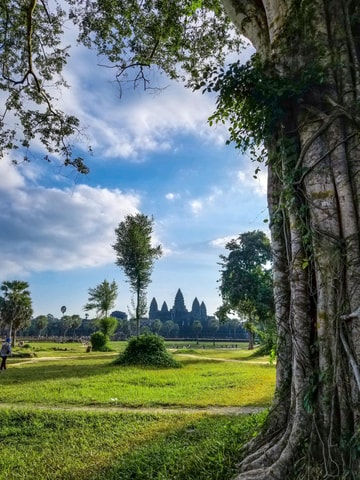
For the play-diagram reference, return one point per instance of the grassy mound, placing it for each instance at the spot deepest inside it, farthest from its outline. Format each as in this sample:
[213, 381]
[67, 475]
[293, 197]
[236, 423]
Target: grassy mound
[147, 350]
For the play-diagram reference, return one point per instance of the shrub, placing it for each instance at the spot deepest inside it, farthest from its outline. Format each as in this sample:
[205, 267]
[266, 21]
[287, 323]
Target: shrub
[99, 342]
[147, 350]
[108, 325]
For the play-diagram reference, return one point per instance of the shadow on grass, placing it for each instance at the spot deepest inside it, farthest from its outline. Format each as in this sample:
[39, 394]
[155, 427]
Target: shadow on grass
[56, 370]
[186, 453]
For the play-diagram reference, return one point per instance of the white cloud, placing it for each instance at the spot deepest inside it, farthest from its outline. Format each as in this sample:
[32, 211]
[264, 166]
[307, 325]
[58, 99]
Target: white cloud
[139, 122]
[221, 242]
[10, 176]
[52, 229]
[247, 179]
[196, 206]
[172, 196]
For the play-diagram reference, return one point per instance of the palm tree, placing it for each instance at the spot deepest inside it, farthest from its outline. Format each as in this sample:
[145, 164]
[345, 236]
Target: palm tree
[15, 306]
[102, 298]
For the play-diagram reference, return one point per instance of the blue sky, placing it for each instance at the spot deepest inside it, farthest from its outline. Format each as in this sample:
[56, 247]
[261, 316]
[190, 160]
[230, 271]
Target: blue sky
[152, 152]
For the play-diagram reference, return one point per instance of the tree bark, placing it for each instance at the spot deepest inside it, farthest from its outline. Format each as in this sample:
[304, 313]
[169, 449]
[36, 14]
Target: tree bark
[313, 427]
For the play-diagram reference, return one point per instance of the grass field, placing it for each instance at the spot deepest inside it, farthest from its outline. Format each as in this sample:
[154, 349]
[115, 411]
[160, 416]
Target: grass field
[63, 416]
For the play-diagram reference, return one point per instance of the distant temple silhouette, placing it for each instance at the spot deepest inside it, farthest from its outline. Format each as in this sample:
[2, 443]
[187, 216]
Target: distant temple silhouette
[179, 314]
[179, 322]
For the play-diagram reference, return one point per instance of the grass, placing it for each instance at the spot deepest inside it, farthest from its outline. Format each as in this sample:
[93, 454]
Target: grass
[120, 446]
[109, 444]
[93, 380]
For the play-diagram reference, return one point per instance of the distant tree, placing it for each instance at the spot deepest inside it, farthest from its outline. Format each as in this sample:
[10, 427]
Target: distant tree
[246, 282]
[196, 328]
[213, 325]
[169, 327]
[76, 322]
[66, 323]
[102, 298]
[40, 323]
[108, 325]
[156, 326]
[15, 306]
[136, 256]
[234, 324]
[175, 330]
[123, 328]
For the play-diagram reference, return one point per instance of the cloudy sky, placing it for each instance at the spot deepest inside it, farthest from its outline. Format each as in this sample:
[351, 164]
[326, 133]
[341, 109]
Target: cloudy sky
[153, 152]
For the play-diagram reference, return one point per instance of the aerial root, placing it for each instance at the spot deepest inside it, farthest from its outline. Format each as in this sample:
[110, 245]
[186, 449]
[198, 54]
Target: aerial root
[260, 474]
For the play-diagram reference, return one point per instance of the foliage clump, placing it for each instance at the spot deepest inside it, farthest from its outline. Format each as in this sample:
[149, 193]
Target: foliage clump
[147, 350]
[99, 342]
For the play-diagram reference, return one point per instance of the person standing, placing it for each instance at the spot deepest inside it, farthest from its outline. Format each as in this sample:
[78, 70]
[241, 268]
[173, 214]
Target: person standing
[4, 353]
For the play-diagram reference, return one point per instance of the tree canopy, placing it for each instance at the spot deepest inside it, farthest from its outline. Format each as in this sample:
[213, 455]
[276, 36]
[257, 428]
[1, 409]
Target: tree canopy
[186, 39]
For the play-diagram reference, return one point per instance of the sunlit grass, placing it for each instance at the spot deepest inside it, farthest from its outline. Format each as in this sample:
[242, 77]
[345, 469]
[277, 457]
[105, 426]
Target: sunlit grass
[92, 380]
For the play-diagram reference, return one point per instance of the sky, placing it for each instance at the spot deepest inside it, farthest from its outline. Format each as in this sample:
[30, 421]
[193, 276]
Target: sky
[152, 152]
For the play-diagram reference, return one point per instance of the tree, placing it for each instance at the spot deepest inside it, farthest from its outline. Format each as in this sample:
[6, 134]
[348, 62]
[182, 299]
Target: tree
[156, 326]
[128, 34]
[41, 322]
[196, 328]
[136, 256]
[76, 322]
[15, 306]
[66, 323]
[213, 325]
[102, 298]
[298, 98]
[169, 327]
[299, 95]
[246, 284]
[108, 325]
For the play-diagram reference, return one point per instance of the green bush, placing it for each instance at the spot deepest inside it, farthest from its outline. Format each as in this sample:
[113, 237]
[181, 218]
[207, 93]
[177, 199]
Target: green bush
[99, 342]
[147, 350]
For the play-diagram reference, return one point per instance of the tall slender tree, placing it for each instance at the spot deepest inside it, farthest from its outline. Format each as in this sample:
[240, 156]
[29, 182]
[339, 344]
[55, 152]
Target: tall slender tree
[136, 255]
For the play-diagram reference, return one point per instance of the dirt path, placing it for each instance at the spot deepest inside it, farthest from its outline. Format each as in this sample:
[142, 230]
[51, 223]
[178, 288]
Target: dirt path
[28, 360]
[120, 409]
[236, 360]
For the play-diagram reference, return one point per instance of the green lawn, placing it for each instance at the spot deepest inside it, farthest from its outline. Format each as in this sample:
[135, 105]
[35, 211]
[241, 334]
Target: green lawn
[39, 443]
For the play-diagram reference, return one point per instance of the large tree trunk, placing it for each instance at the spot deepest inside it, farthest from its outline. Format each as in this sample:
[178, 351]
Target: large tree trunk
[314, 425]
